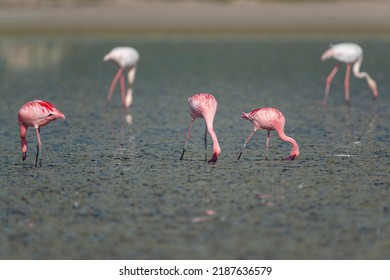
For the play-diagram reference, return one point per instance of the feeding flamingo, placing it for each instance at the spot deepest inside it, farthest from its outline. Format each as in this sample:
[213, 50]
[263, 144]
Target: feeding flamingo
[349, 53]
[35, 113]
[126, 58]
[203, 105]
[270, 119]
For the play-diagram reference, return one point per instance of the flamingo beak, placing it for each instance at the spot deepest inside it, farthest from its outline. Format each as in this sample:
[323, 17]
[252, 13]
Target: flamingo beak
[374, 89]
[213, 159]
[291, 157]
[24, 155]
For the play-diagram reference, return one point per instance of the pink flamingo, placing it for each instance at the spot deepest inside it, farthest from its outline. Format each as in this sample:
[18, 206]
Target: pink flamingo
[270, 119]
[35, 113]
[126, 58]
[203, 105]
[349, 53]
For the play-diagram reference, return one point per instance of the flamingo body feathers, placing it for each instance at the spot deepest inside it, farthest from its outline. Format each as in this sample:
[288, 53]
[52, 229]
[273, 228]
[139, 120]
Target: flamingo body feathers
[125, 57]
[344, 52]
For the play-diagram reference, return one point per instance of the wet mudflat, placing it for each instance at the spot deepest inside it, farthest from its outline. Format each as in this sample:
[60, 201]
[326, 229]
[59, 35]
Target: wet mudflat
[111, 185]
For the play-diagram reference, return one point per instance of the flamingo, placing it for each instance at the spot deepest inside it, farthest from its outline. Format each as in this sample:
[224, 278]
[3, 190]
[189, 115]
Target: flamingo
[203, 105]
[349, 53]
[35, 113]
[270, 119]
[126, 58]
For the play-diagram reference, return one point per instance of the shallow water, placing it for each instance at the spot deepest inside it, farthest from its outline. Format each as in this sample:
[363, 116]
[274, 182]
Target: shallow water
[108, 189]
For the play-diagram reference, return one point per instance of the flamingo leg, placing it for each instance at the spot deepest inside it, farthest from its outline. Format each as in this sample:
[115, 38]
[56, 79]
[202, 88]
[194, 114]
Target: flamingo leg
[266, 145]
[346, 83]
[39, 146]
[329, 82]
[187, 138]
[246, 142]
[123, 89]
[113, 83]
[205, 143]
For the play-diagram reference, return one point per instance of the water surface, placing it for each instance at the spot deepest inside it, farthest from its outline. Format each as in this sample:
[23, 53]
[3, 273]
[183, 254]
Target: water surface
[113, 190]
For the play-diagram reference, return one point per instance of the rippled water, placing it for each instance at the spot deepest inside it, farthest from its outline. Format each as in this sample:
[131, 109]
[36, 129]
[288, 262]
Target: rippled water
[111, 188]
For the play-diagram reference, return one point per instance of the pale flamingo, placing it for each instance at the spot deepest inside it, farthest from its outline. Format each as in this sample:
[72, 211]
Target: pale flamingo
[349, 53]
[126, 58]
[35, 113]
[270, 119]
[203, 105]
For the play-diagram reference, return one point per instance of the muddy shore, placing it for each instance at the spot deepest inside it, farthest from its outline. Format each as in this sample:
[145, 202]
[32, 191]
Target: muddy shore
[188, 16]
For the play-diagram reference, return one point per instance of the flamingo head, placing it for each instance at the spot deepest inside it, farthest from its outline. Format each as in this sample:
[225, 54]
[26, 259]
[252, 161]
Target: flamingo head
[373, 87]
[294, 154]
[216, 152]
[24, 149]
[214, 158]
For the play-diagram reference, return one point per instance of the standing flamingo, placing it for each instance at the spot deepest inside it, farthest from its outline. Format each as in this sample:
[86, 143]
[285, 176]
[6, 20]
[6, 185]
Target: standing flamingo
[270, 119]
[35, 113]
[127, 59]
[203, 105]
[349, 53]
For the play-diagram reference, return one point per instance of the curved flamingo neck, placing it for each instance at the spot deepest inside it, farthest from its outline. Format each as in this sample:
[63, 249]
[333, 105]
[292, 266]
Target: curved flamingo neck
[295, 148]
[370, 81]
[23, 140]
[356, 69]
[216, 147]
[210, 129]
